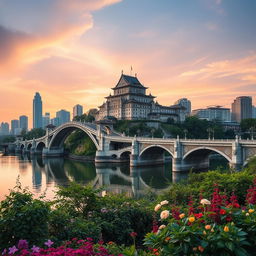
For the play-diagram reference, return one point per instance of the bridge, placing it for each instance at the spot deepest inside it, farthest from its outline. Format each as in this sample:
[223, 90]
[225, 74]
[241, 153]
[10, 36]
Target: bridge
[112, 146]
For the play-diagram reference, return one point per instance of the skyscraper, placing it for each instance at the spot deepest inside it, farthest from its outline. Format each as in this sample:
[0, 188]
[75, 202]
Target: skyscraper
[253, 112]
[241, 108]
[4, 129]
[63, 116]
[46, 119]
[14, 125]
[37, 111]
[23, 123]
[77, 110]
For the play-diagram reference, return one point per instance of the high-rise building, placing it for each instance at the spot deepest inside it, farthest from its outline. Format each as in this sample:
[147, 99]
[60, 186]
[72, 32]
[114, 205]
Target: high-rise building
[241, 108]
[77, 110]
[253, 112]
[46, 119]
[55, 121]
[37, 111]
[14, 125]
[185, 103]
[23, 123]
[213, 113]
[64, 116]
[4, 128]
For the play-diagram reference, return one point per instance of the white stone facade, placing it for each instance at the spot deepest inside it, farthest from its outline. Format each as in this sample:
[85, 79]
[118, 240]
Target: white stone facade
[130, 102]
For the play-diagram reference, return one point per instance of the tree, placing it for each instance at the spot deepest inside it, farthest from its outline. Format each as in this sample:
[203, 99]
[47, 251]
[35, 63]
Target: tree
[34, 133]
[84, 118]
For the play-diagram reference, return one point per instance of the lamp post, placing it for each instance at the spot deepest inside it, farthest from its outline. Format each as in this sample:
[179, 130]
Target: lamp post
[185, 133]
[209, 133]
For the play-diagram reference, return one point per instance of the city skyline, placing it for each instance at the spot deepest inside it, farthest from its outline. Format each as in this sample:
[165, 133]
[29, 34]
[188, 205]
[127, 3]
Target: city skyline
[73, 52]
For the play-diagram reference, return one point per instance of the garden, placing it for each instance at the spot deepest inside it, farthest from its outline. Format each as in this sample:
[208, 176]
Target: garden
[208, 214]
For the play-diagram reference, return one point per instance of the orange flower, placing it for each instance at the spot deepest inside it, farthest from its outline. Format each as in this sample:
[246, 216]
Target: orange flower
[167, 239]
[226, 229]
[182, 215]
[207, 227]
[251, 210]
[191, 219]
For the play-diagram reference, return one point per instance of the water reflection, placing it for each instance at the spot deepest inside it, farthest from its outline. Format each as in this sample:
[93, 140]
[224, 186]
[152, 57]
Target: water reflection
[41, 174]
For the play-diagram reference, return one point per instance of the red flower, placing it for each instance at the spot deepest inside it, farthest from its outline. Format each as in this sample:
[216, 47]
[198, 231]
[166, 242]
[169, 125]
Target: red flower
[133, 234]
[198, 215]
[222, 211]
[228, 218]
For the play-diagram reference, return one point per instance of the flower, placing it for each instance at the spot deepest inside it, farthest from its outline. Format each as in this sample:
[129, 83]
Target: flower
[205, 201]
[212, 230]
[226, 229]
[133, 234]
[200, 248]
[35, 249]
[182, 215]
[251, 210]
[164, 214]
[247, 214]
[13, 249]
[164, 202]
[162, 227]
[22, 244]
[157, 207]
[49, 243]
[204, 232]
[167, 239]
[207, 227]
[198, 215]
[191, 219]
[222, 211]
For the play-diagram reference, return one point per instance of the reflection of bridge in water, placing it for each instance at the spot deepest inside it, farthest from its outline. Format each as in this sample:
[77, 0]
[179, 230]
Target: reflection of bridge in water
[113, 147]
[114, 178]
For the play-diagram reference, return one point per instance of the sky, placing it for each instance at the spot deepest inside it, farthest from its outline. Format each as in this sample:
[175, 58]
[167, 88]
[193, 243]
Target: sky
[73, 51]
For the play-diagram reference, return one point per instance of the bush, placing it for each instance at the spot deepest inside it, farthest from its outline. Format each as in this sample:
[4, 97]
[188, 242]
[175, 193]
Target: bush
[22, 217]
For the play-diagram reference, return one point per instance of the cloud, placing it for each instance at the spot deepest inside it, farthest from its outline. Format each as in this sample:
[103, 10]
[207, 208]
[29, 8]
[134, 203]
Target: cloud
[66, 20]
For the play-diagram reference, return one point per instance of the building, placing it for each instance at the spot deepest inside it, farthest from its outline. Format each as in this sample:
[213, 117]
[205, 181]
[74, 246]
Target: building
[185, 103]
[4, 129]
[130, 102]
[63, 116]
[46, 119]
[77, 110]
[253, 112]
[37, 111]
[23, 123]
[213, 113]
[241, 108]
[14, 125]
[55, 121]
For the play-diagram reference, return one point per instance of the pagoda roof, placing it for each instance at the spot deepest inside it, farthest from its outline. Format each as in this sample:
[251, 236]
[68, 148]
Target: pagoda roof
[126, 80]
[131, 93]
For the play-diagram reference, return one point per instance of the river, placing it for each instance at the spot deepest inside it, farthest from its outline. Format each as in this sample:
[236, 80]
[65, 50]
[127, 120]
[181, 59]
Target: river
[43, 175]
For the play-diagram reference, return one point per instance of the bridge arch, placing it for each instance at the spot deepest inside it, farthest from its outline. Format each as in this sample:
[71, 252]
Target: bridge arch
[29, 146]
[156, 146]
[40, 146]
[208, 150]
[22, 146]
[62, 132]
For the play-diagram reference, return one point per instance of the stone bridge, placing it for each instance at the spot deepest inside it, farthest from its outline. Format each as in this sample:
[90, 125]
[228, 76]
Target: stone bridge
[112, 146]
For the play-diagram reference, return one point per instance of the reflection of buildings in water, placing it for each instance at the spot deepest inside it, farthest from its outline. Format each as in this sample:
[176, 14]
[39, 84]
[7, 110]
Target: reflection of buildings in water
[36, 174]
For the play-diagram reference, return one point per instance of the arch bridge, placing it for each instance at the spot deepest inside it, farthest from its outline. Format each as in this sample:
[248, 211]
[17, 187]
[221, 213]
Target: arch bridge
[112, 146]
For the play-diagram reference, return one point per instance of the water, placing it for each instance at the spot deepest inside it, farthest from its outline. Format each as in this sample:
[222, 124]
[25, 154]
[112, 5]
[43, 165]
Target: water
[44, 175]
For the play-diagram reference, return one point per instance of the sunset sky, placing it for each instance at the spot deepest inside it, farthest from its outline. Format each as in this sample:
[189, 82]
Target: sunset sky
[73, 51]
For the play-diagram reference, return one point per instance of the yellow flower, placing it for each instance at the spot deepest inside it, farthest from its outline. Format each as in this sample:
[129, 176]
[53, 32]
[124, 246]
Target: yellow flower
[247, 214]
[205, 201]
[164, 202]
[191, 219]
[207, 227]
[164, 214]
[251, 210]
[226, 229]
[182, 215]
[157, 207]
[204, 232]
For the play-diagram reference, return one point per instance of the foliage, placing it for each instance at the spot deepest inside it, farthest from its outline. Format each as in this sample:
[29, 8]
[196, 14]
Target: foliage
[79, 143]
[22, 217]
[220, 226]
[7, 139]
[247, 124]
[84, 118]
[34, 133]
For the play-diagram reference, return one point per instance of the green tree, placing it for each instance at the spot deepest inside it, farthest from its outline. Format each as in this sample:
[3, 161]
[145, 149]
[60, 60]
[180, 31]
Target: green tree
[34, 133]
[84, 118]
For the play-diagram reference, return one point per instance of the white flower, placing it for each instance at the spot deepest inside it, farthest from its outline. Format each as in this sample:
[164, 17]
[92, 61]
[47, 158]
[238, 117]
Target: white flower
[164, 202]
[162, 227]
[157, 207]
[164, 214]
[205, 201]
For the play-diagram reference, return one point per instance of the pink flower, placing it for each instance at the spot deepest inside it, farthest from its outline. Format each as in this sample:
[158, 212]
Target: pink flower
[22, 244]
[49, 243]
[35, 249]
[13, 249]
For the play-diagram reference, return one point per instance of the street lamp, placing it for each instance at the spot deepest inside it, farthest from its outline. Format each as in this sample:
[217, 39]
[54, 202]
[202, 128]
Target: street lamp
[185, 132]
[209, 133]
[251, 132]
